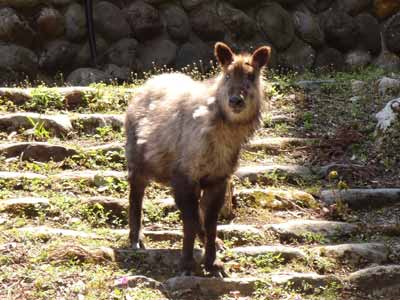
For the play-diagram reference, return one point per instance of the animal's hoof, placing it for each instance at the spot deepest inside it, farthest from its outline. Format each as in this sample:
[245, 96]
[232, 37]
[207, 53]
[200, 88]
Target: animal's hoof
[216, 270]
[138, 245]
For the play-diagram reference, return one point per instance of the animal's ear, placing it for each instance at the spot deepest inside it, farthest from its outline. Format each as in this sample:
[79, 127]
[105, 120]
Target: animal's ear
[223, 54]
[260, 57]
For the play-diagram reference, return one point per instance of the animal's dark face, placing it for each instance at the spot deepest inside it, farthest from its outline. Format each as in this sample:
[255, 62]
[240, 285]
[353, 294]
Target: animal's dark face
[239, 92]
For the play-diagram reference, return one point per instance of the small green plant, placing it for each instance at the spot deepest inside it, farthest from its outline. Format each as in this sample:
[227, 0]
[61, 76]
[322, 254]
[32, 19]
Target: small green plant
[308, 120]
[44, 98]
[39, 130]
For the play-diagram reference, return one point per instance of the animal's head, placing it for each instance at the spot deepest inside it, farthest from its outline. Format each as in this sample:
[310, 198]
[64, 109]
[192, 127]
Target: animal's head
[239, 91]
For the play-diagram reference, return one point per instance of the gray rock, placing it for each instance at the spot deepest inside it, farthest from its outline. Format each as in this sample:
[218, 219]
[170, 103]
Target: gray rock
[14, 29]
[299, 56]
[369, 33]
[110, 21]
[341, 30]
[362, 198]
[275, 198]
[357, 59]
[54, 232]
[144, 20]
[17, 95]
[388, 86]
[305, 282]
[299, 229]
[206, 23]
[124, 53]
[4, 175]
[75, 22]
[240, 25]
[18, 59]
[240, 232]
[177, 22]
[379, 278]
[57, 55]
[391, 34]
[308, 29]
[115, 206]
[50, 23]
[191, 4]
[212, 286]
[58, 124]
[159, 52]
[137, 280]
[278, 143]
[353, 7]
[388, 61]
[244, 4]
[276, 24]
[28, 205]
[118, 74]
[317, 6]
[329, 58]
[86, 76]
[92, 176]
[313, 85]
[254, 173]
[285, 252]
[83, 57]
[43, 152]
[89, 122]
[356, 253]
[193, 53]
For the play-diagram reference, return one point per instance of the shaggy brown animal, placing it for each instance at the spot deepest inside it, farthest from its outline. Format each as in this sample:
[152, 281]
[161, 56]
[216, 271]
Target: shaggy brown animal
[188, 134]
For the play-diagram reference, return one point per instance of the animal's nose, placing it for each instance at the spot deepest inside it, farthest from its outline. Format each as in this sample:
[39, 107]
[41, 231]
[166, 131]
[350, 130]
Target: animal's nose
[236, 100]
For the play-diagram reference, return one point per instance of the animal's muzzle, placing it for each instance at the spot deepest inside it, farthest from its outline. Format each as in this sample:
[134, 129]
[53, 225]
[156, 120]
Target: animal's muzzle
[236, 102]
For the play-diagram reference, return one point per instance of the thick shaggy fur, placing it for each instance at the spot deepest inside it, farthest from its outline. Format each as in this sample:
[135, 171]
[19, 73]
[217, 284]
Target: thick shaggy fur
[184, 133]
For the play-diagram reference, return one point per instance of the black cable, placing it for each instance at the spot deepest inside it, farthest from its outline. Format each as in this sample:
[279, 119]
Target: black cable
[91, 31]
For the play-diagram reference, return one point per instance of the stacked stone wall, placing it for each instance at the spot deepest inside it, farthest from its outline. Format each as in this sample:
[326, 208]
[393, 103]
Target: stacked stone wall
[42, 38]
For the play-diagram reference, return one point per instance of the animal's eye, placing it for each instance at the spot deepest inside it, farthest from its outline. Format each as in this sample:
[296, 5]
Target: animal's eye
[251, 76]
[227, 77]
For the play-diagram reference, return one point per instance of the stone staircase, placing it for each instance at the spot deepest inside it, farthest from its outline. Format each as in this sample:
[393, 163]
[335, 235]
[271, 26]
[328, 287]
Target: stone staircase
[63, 226]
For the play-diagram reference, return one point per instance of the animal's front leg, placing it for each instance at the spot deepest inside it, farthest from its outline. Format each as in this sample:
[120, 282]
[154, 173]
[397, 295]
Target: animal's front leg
[186, 194]
[212, 202]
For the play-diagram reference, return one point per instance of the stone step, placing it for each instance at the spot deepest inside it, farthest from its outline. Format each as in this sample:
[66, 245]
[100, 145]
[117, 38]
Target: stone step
[98, 176]
[276, 198]
[276, 144]
[44, 151]
[266, 173]
[60, 124]
[27, 205]
[314, 230]
[72, 97]
[56, 232]
[362, 198]
[379, 280]
[356, 253]
[285, 252]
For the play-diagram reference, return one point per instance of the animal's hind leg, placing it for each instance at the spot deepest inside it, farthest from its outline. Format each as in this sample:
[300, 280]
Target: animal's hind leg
[219, 244]
[213, 200]
[137, 186]
[186, 195]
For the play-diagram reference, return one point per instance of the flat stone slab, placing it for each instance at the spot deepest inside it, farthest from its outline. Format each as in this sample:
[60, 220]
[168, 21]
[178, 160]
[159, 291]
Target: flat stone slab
[4, 175]
[155, 235]
[285, 252]
[260, 172]
[112, 147]
[53, 232]
[212, 286]
[304, 282]
[115, 206]
[362, 198]
[37, 151]
[299, 229]
[136, 280]
[376, 278]
[23, 204]
[97, 177]
[89, 122]
[277, 143]
[356, 253]
[58, 124]
[240, 231]
[277, 198]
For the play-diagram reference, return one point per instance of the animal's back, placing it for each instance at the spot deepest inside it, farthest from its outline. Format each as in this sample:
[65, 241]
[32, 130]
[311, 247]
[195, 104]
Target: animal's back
[157, 119]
